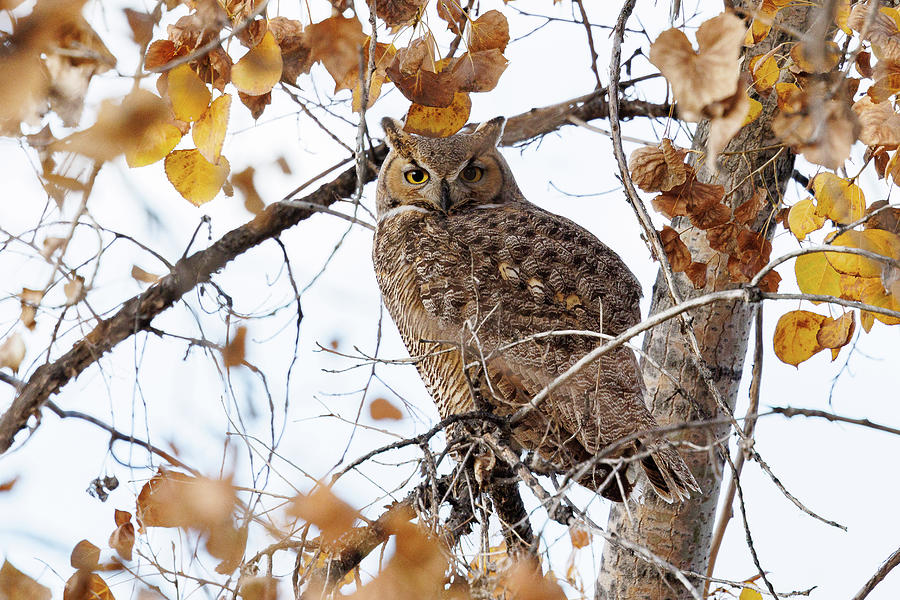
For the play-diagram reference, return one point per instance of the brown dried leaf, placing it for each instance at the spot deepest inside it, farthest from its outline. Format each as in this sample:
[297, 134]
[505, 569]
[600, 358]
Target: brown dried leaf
[698, 200]
[658, 168]
[452, 12]
[879, 123]
[143, 276]
[887, 219]
[676, 251]
[12, 352]
[326, 511]
[581, 538]
[85, 555]
[883, 32]
[696, 272]
[478, 71]
[259, 588]
[122, 538]
[835, 333]
[823, 131]
[489, 31]
[74, 290]
[161, 52]
[16, 585]
[887, 81]
[701, 78]
[30, 301]
[7, 486]
[396, 13]
[172, 499]
[525, 582]
[256, 104]
[296, 55]
[381, 409]
[84, 585]
[141, 24]
[722, 127]
[746, 212]
[336, 42]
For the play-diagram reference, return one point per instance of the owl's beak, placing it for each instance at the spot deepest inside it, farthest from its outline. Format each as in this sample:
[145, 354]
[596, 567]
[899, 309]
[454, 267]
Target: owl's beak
[445, 195]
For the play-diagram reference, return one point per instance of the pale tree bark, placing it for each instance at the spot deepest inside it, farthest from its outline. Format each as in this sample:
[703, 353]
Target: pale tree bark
[681, 533]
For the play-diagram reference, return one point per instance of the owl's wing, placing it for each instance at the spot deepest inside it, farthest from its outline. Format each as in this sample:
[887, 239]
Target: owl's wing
[497, 277]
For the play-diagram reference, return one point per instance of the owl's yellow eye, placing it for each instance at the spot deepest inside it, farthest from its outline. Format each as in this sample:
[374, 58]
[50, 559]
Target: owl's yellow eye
[472, 173]
[416, 176]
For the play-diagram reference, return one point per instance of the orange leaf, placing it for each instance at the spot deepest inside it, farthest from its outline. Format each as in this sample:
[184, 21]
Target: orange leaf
[835, 333]
[796, 336]
[580, 537]
[676, 251]
[209, 131]
[188, 93]
[172, 499]
[84, 585]
[195, 178]
[260, 69]
[233, 353]
[381, 409]
[85, 555]
[434, 121]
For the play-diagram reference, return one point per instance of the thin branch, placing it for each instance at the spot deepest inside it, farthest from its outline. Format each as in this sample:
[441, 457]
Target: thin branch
[892, 561]
[790, 412]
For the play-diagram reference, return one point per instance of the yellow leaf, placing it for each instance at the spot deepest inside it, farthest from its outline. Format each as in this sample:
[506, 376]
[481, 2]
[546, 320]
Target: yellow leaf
[750, 594]
[815, 275]
[195, 178]
[802, 219]
[188, 93]
[795, 336]
[877, 296]
[838, 199]
[209, 131]
[439, 122]
[836, 333]
[866, 319]
[878, 241]
[754, 111]
[152, 145]
[260, 69]
[765, 72]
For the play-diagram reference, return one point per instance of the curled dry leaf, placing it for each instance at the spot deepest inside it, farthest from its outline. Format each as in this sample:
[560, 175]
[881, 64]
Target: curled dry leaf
[478, 71]
[879, 123]
[722, 127]
[233, 353]
[296, 55]
[256, 104]
[395, 13]
[882, 33]
[835, 333]
[822, 129]
[796, 336]
[336, 42]
[258, 71]
[838, 199]
[696, 272]
[381, 409]
[12, 352]
[701, 201]
[704, 77]
[195, 178]
[658, 168]
[452, 12]
[886, 218]
[209, 131]
[887, 81]
[433, 121]
[676, 251]
[141, 25]
[16, 585]
[322, 508]
[74, 290]
[489, 31]
[747, 211]
[803, 219]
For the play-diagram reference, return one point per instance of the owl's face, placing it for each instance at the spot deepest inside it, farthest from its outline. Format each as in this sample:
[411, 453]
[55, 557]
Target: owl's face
[444, 174]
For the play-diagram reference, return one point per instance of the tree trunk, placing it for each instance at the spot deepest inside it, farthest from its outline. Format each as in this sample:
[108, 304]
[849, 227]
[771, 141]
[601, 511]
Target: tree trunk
[681, 533]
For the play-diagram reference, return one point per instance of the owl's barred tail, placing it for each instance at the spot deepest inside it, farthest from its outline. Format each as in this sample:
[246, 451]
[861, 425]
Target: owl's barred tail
[668, 474]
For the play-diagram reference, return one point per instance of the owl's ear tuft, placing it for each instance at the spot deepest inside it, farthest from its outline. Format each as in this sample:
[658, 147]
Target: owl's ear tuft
[491, 131]
[394, 134]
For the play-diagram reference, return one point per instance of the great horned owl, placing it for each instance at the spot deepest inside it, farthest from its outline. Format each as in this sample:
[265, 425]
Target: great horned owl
[470, 271]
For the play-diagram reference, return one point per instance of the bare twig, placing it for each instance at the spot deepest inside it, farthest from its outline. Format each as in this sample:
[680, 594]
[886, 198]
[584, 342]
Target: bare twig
[892, 561]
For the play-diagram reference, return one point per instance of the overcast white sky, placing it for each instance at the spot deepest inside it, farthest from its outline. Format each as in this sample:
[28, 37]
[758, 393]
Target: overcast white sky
[174, 395]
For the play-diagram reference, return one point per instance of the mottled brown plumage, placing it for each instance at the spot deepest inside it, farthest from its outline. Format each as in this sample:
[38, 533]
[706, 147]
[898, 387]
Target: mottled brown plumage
[470, 271]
